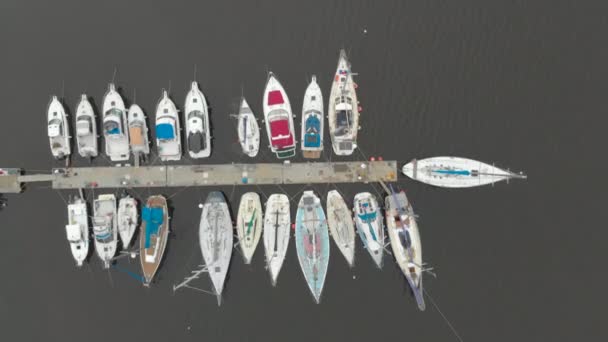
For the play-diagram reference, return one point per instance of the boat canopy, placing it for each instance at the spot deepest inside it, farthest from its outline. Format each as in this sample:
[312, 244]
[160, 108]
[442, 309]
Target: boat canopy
[112, 127]
[313, 127]
[197, 114]
[165, 131]
[84, 126]
[196, 142]
[153, 217]
[55, 128]
[280, 133]
[73, 231]
[275, 97]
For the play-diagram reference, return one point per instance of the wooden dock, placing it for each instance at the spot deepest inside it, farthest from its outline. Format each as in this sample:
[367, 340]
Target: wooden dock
[205, 175]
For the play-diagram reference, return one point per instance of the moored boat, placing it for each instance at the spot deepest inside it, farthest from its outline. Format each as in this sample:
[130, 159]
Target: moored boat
[127, 219]
[370, 226]
[312, 242]
[343, 109]
[249, 224]
[248, 130]
[115, 132]
[58, 129]
[138, 131]
[312, 121]
[105, 228]
[341, 225]
[168, 137]
[77, 230]
[196, 120]
[278, 119]
[277, 221]
[456, 172]
[154, 235]
[86, 129]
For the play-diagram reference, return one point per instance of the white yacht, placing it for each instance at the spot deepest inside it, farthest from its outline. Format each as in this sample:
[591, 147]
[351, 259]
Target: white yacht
[127, 219]
[77, 230]
[105, 228]
[86, 129]
[343, 109]
[168, 137]
[277, 222]
[248, 130]
[370, 225]
[115, 132]
[312, 121]
[341, 225]
[58, 129]
[138, 131]
[249, 224]
[279, 119]
[196, 119]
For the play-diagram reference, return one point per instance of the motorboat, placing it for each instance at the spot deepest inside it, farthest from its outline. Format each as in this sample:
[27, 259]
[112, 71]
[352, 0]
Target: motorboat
[154, 235]
[86, 129]
[115, 132]
[58, 129]
[370, 225]
[249, 224]
[77, 230]
[343, 109]
[277, 223]
[105, 228]
[168, 134]
[278, 119]
[196, 119]
[312, 121]
[248, 130]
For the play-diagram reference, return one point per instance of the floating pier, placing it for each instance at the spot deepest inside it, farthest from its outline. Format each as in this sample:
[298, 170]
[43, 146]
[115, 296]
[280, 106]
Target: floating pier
[13, 181]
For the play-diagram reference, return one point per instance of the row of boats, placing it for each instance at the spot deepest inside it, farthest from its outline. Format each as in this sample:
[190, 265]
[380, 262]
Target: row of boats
[125, 131]
[313, 226]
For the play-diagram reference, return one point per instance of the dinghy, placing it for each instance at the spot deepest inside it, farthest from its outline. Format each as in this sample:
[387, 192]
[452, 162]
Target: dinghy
[86, 129]
[248, 130]
[127, 219]
[168, 135]
[115, 132]
[105, 228]
[370, 227]
[249, 224]
[154, 235]
[312, 121]
[196, 118]
[279, 119]
[343, 109]
[58, 129]
[77, 230]
[341, 225]
[277, 222]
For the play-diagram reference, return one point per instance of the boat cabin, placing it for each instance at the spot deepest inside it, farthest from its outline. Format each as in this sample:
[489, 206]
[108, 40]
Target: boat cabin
[344, 116]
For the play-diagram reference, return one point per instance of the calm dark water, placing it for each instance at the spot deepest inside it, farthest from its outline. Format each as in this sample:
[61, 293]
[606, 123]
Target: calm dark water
[518, 83]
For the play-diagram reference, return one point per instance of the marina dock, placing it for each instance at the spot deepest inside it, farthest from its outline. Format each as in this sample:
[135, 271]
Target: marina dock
[13, 181]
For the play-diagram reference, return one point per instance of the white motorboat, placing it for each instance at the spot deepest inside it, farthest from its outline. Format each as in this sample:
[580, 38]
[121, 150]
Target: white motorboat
[370, 225]
[341, 225]
[248, 130]
[196, 118]
[105, 228]
[249, 224]
[77, 230]
[456, 172]
[277, 222]
[343, 109]
[279, 119]
[312, 121]
[86, 129]
[168, 137]
[127, 219]
[115, 126]
[58, 129]
[138, 131]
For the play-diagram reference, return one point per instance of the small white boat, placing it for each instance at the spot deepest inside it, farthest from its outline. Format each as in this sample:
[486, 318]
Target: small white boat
[312, 121]
[168, 137]
[86, 129]
[341, 225]
[405, 241]
[312, 242]
[105, 228]
[127, 219]
[455, 172]
[277, 222]
[343, 109]
[370, 225]
[248, 130]
[249, 224]
[216, 240]
[115, 126]
[279, 119]
[154, 235]
[138, 131]
[196, 118]
[58, 129]
[77, 230]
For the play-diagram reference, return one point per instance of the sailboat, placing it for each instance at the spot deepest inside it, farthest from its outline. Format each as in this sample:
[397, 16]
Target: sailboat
[196, 118]
[168, 130]
[115, 126]
[277, 221]
[86, 129]
[105, 228]
[312, 242]
[216, 240]
[249, 224]
[405, 241]
[58, 129]
[127, 219]
[343, 109]
[370, 226]
[77, 230]
[154, 235]
[312, 121]
[138, 131]
[341, 225]
[279, 119]
[248, 130]
[456, 172]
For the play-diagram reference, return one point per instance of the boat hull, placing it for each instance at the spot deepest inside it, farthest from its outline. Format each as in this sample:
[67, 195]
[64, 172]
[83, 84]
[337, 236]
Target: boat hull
[115, 132]
[343, 116]
[196, 120]
[249, 224]
[168, 131]
[86, 129]
[341, 225]
[248, 130]
[370, 227]
[312, 121]
[127, 220]
[106, 242]
[77, 230]
[58, 129]
[278, 119]
[152, 243]
[277, 222]
[138, 131]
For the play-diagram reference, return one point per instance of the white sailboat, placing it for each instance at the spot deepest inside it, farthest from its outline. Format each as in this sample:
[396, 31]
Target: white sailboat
[58, 129]
[168, 136]
[312, 121]
[249, 224]
[138, 131]
[86, 129]
[196, 119]
[248, 130]
[279, 119]
[277, 221]
[341, 225]
[115, 126]
[456, 172]
[343, 109]
[105, 228]
[370, 225]
[127, 219]
[77, 230]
